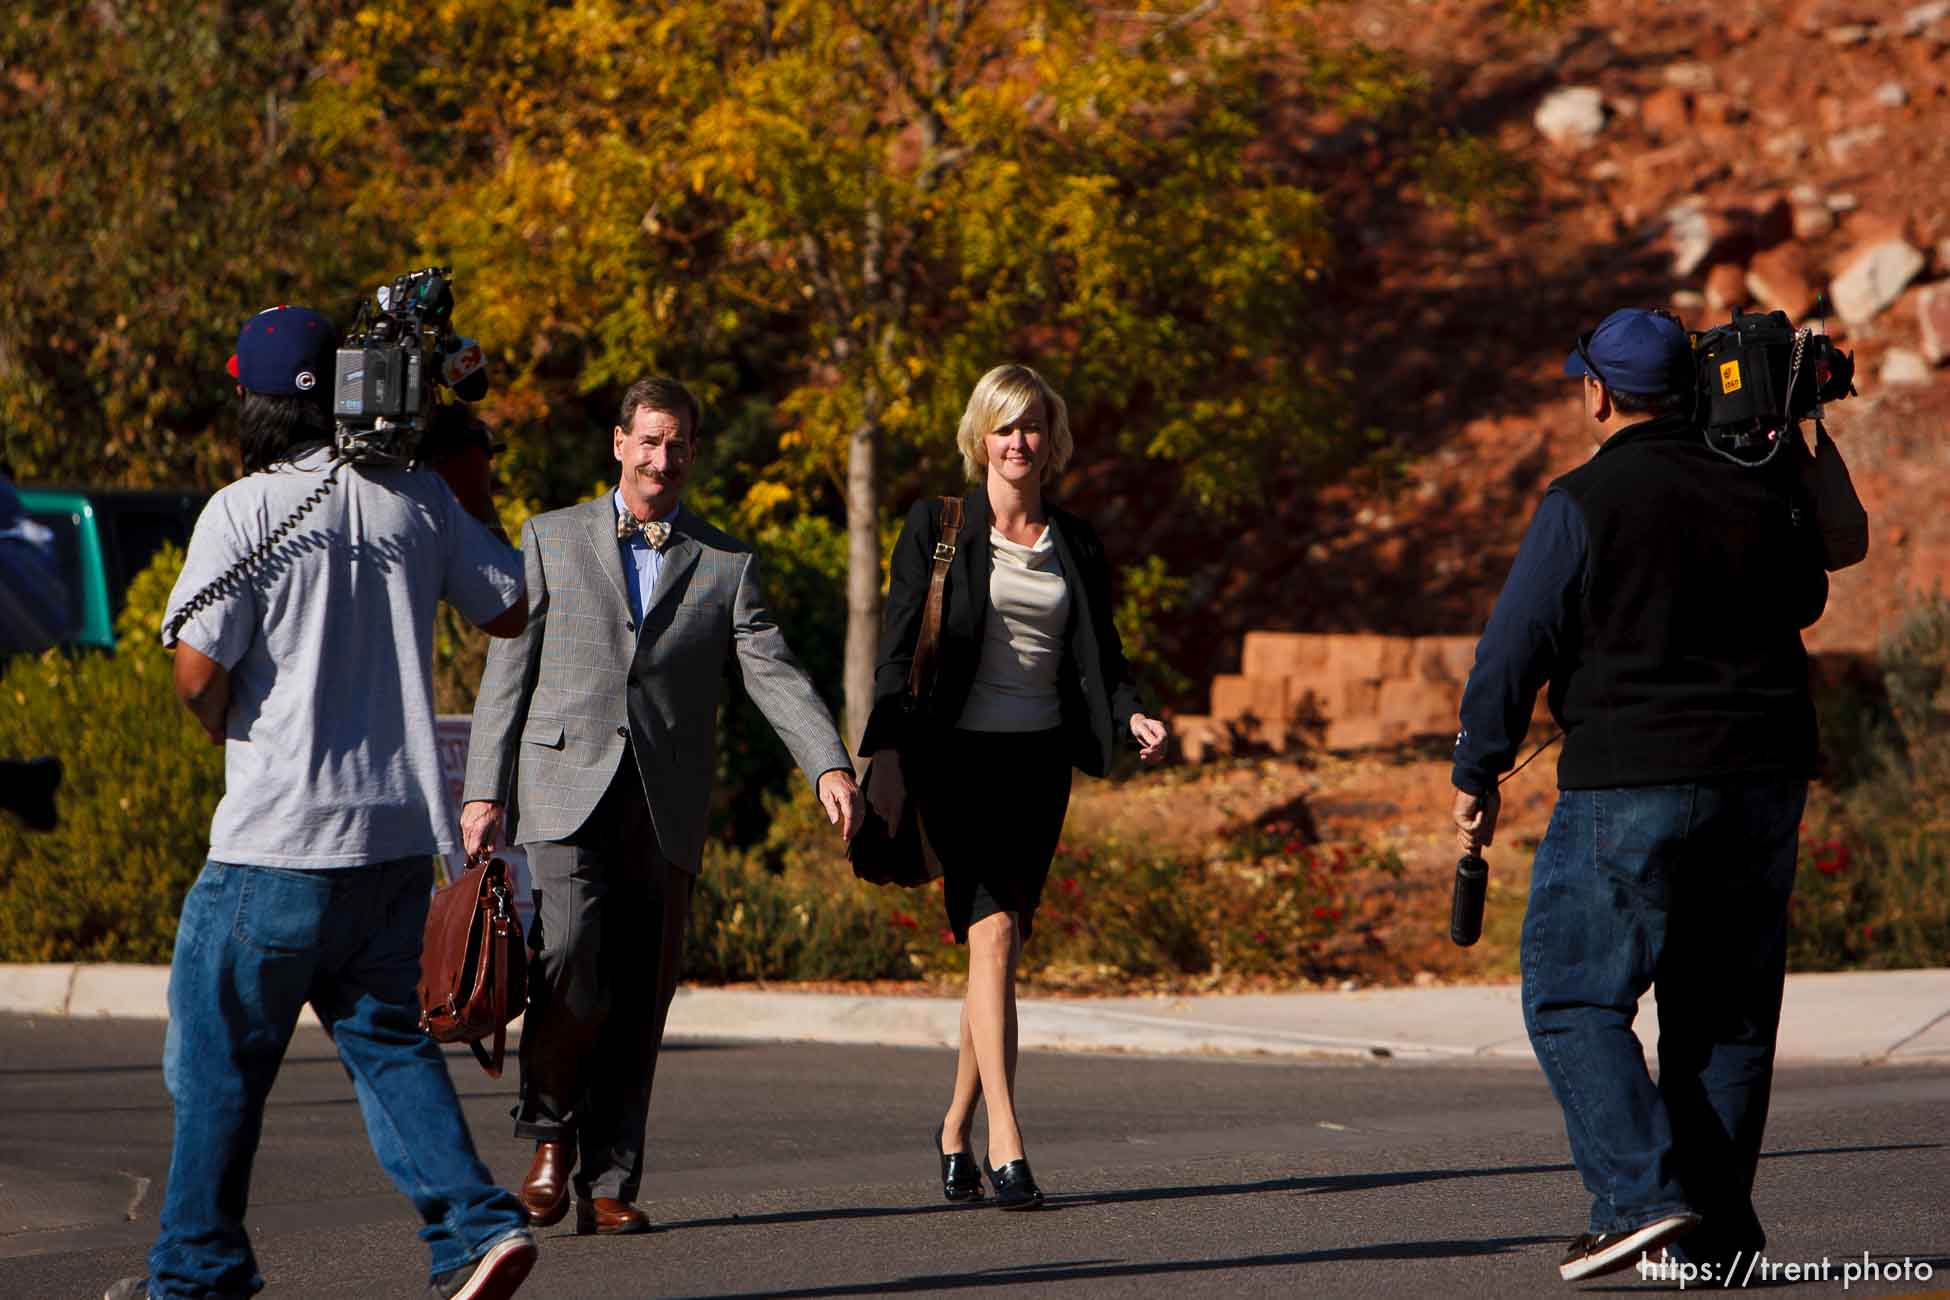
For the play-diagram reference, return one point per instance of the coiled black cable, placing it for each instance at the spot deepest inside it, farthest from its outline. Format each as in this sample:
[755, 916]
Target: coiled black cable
[234, 580]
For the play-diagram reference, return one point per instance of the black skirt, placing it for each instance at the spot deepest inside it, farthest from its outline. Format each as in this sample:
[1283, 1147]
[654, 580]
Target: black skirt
[992, 804]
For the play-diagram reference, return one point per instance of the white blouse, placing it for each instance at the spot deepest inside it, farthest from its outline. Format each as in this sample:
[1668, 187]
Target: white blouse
[1022, 645]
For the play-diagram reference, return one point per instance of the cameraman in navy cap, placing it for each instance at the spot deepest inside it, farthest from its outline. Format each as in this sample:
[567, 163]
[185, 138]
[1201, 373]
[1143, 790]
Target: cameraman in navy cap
[1660, 591]
[303, 629]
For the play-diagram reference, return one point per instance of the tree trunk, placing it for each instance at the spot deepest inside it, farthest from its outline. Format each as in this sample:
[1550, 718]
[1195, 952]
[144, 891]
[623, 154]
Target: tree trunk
[863, 502]
[862, 568]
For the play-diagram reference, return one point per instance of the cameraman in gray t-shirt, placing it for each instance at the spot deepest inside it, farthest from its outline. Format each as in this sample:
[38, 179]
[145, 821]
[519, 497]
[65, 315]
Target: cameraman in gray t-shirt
[310, 592]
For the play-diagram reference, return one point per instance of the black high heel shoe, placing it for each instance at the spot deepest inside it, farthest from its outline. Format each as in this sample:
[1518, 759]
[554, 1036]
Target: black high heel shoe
[1015, 1187]
[959, 1179]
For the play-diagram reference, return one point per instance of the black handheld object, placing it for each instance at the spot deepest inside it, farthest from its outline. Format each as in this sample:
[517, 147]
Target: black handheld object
[1466, 904]
[27, 787]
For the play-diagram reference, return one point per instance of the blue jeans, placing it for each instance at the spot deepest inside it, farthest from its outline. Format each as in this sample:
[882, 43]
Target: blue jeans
[253, 946]
[1683, 888]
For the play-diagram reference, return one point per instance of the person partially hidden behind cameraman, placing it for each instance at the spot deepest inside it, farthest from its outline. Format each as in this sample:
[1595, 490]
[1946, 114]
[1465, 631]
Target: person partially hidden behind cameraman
[1660, 591]
[312, 667]
[33, 618]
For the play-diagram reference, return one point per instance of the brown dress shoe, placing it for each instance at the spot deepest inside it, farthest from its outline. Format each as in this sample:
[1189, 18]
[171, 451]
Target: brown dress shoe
[605, 1216]
[545, 1192]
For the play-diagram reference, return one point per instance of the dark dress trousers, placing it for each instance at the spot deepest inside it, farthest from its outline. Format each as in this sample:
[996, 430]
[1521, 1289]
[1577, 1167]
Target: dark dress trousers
[598, 729]
[993, 802]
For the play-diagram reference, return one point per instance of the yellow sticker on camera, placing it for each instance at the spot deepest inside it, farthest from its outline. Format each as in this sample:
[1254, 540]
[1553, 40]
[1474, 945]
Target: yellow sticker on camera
[1730, 377]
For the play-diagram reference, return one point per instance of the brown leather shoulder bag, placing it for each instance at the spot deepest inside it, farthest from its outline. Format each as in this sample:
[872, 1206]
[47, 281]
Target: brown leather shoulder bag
[474, 965]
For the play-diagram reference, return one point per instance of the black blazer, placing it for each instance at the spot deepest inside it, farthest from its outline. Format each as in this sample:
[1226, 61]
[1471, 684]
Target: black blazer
[1094, 684]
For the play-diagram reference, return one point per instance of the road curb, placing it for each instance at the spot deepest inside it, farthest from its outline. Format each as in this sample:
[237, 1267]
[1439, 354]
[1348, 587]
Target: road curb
[1869, 1018]
[36, 990]
[763, 1016]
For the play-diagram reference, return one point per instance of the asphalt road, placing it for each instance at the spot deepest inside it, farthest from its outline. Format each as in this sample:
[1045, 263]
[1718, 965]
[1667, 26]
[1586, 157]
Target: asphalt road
[804, 1171]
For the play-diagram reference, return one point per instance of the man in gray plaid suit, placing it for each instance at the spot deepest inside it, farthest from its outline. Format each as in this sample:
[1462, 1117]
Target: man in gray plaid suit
[594, 746]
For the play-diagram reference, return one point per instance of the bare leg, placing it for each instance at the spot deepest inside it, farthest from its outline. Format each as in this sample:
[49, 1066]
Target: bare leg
[994, 943]
[968, 1091]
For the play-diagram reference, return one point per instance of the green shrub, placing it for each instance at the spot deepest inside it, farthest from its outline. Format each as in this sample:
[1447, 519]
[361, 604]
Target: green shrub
[139, 784]
[1872, 889]
[790, 908]
[1263, 905]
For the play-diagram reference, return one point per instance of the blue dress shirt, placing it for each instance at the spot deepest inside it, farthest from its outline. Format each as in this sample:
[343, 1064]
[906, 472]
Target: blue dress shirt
[642, 565]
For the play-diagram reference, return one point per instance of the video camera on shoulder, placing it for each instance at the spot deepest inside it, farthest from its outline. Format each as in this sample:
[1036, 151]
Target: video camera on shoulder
[1757, 375]
[383, 388]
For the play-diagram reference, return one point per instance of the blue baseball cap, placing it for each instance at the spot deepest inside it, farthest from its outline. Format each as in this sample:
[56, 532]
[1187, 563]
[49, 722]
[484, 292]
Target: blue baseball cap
[284, 350]
[1645, 353]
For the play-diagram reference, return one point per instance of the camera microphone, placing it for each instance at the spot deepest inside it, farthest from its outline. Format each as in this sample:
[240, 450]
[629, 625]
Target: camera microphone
[463, 368]
[1466, 904]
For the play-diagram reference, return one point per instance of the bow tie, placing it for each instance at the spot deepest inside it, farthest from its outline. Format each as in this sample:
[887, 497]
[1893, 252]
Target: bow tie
[654, 531]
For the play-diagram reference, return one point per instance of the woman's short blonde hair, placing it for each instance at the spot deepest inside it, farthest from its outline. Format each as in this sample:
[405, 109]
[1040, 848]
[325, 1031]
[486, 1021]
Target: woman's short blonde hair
[1000, 397]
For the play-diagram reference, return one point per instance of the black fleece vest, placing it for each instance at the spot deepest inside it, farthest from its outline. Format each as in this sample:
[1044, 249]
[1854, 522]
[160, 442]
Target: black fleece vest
[1687, 662]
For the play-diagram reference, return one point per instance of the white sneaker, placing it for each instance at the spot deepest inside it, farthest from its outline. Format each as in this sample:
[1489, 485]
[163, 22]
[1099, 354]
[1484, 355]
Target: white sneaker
[1595, 1254]
[496, 1275]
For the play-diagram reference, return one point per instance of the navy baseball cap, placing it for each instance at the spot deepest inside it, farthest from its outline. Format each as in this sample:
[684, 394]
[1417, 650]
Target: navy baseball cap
[1645, 353]
[284, 350]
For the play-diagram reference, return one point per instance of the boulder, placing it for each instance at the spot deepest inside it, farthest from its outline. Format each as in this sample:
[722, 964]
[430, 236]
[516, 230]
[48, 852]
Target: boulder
[1720, 107]
[1783, 278]
[1845, 146]
[1921, 18]
[1904, 366]
[1692, 76]
[1812, 220]
[1726, 287]
[1874, 277]
[1933, 319]
[1667, 111]
[1891, 94]
[1700, 237]
[1571, 116]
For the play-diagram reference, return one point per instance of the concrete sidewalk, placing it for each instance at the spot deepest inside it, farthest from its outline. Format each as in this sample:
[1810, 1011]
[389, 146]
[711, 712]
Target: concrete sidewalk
[1871, 1018]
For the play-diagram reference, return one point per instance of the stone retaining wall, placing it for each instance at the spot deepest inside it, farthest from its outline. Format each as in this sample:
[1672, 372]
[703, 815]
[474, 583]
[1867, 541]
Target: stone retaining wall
[1332, 690]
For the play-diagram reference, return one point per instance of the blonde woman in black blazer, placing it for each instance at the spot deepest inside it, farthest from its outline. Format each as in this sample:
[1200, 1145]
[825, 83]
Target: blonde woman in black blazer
[1030, 681]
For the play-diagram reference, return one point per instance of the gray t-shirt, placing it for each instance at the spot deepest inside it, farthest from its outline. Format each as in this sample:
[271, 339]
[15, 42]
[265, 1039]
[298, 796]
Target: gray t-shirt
[329, 759]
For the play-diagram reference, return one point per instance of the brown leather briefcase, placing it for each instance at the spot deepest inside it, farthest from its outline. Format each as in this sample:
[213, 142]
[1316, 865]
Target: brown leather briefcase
[474, 965]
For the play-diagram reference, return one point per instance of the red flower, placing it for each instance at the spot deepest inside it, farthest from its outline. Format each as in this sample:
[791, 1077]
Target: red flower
[947, 936]
[1868, 932]
[1290, 848]
[903, 920]
[1325, 913]
[1259, 936]
[1833, 859]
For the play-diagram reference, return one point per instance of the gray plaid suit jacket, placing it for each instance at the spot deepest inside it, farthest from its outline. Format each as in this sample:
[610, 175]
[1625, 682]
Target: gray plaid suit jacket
[558, 703]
